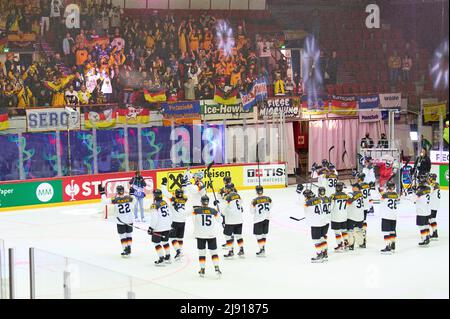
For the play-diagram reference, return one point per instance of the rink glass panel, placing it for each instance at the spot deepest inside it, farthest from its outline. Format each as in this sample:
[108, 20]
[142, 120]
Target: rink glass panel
[40, 158]
[9, 158]
[79, 160]
[111, 151]
[59, 277]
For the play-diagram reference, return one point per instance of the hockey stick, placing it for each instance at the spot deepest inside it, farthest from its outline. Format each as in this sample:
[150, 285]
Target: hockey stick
[257, 160]
[132, 225]
[343, 160]
[329, 153]
[212, 186]
[296, 219]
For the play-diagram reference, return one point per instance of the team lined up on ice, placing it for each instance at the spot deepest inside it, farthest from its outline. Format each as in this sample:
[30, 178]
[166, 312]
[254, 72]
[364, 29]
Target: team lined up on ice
[347, 212]
[169, 213]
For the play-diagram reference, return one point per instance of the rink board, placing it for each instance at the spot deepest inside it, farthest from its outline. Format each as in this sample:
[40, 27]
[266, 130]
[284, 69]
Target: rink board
[74, 190]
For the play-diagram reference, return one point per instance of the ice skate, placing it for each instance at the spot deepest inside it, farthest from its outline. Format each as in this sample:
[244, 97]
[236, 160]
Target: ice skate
[392, 247]
[434, 236]
[339, 248]
[387, 250]
[202, 272]
[229, 255]
[261, 253]
[178, 255]
[425, 242]
[218, 272]
[363, 245]
[325, 254]
[124, 254]
[167, 259]
[318, 259]
[160, 262]
[241, 253]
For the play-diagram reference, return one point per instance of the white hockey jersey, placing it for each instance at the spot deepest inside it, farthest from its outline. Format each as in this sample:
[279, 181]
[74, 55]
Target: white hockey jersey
[122, 208]
[178, 211]
[435, 196]
[232, 209]
[389, 205]
[160, 219]
[422, 200]
[261, 208]
[205, 222]
[365, 190]
[370, 174]
[315, 216]
[339, 207]
[355, 207]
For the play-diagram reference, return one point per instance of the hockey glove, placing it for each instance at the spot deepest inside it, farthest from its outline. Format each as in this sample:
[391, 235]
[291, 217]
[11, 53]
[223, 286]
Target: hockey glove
[150, 231]
[164, 181]
[216, 202]
[372, 185]
[101, 190]
[131, 190]
[354, 173]
[300, 188]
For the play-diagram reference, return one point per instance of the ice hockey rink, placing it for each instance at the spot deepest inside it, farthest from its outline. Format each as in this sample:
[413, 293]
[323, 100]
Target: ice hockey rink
[98, 271]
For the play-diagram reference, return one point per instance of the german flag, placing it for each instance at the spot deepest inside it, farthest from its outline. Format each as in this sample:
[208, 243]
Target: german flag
[343, 105]
[4, 121]
[226, 98]
[153, 97]
[100, 118]
[132, 115]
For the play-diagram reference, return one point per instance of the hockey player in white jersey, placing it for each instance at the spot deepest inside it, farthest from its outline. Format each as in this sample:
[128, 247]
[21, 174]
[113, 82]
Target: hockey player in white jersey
[261, 208]
[389, 207]
[355, 216]
[435, 203]
[329, 180]
[423, 209]
[317, 220]
[369, 173]
[196, 190]
[365, 190]
[339, 217]
[326, 209]
[226, 181]
[232, 208]
[124, 215]
[178, 215]
[205, 221]
[160, 226]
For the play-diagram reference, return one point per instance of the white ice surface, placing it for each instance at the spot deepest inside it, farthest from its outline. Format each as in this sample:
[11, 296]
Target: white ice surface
[286, 272]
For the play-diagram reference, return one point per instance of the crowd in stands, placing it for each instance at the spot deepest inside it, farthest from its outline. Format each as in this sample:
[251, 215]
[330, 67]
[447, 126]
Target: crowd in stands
[114, 57]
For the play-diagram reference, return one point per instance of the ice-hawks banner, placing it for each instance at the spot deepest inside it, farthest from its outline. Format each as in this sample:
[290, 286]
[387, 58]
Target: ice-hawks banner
[343, 105]
[100, 117]
[370, 104]
[256, 94]
[431, 112]
[276, 106]
[225, 95]
[220, 109]
[133, 115]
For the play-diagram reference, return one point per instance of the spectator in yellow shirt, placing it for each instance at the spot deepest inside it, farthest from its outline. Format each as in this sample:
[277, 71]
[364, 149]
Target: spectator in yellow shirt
[394, 65]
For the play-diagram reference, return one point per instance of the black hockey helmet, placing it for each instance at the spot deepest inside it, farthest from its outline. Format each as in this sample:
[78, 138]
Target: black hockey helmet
[300, 188]
[422, 179]
[432, 177]
[259, 190]
[229, 188]
[322, 191]
[325, 162]
[356, 185]
[179, 193]
[205, 200]
[331, 166]
[308, 194]
[227, 180]
[339, 187]
[361, 177]
[157, 194]
[120, 190]
[390, 185]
